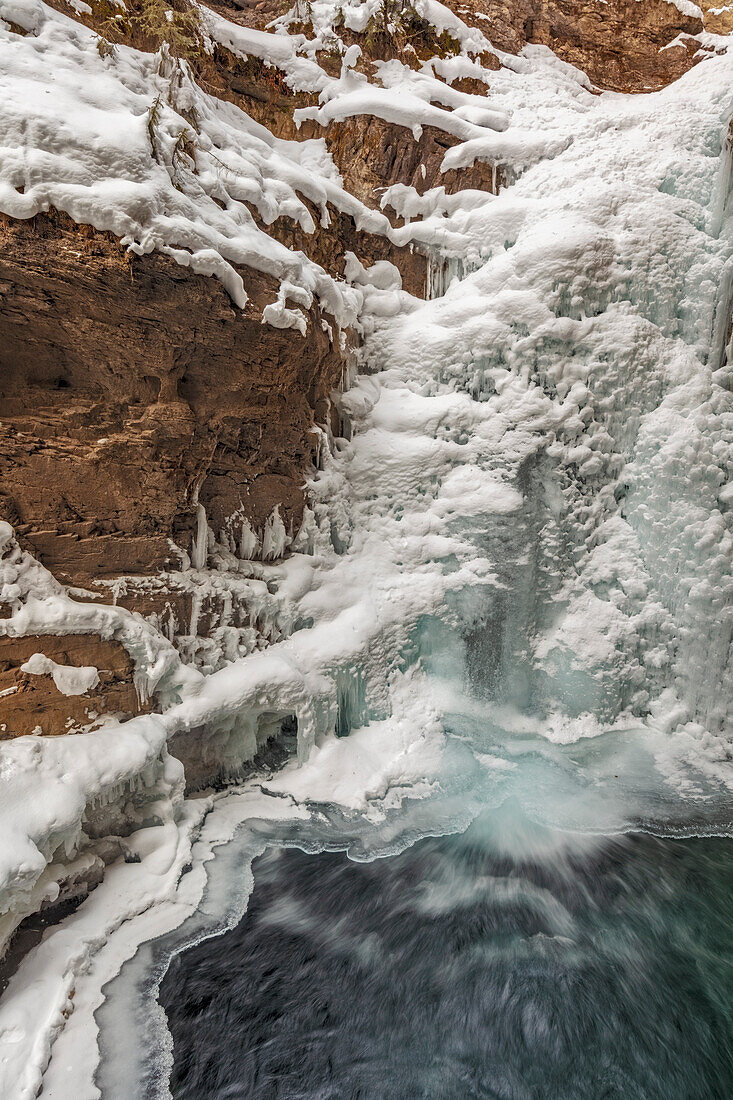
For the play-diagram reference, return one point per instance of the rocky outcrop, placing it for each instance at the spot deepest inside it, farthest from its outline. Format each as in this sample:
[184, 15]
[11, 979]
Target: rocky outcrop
[32, 701]
[328, 245]
[390, 154]
[132, 390]
[623, 45]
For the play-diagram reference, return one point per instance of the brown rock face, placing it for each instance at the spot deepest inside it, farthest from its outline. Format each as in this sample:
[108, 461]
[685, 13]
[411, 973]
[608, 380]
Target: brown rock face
[390, 154]
[328, 246]
[126, 387]
[30, 702]
[623, 45]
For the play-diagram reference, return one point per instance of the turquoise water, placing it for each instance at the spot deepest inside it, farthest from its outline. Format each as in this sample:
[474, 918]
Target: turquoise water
[468, 966]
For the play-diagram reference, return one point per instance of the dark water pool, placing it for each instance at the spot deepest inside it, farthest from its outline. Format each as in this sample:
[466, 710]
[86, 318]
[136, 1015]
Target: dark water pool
[455, 971]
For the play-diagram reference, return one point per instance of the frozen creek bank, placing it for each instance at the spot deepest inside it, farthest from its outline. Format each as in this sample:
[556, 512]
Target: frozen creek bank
[514, 574]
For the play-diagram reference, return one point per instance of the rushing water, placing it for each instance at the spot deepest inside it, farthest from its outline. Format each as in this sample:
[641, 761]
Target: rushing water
[466, 967]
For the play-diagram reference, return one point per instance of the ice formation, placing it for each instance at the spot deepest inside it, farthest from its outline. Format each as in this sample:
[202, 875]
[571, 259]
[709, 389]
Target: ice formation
[523, 545]
[69, 679]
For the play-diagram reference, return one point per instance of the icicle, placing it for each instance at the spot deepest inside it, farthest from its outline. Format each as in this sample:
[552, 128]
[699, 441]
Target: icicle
[248, 542]
[723, 186]
[304, 542]
[200, 547]
[171, 624]
[140, 680]
[225, 615]
[274, 537]
[195, 614]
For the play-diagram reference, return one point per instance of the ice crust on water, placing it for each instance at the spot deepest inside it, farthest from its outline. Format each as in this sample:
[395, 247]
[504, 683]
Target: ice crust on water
[522, 545]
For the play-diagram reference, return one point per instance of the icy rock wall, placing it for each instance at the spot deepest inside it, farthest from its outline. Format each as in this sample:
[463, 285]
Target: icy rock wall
[558, 315]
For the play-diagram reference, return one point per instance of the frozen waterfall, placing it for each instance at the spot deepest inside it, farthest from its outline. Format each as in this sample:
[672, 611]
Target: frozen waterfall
[518, 590]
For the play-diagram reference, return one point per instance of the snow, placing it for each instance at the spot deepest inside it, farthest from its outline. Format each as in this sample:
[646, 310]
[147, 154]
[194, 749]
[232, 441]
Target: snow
[48, 784]
[76, 137]
[38, 604]
[69, 679]
[687, 8]
[443, 19]
[513, 579]
[279, 51]
[404, 99]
